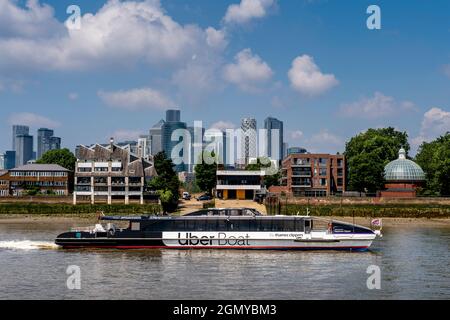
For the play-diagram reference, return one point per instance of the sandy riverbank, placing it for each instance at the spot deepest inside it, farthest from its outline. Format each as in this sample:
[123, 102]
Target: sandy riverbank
[387, 222]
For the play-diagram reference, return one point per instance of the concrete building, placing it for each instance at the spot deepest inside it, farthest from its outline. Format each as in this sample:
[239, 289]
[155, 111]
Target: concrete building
[16, 131]
[24, 149]
[2, 161]
[46, 141]
[274, 138]
[403, 177]
[313, 175]
[239, 184]
[47, 178]
[249, 140]
[103, 174]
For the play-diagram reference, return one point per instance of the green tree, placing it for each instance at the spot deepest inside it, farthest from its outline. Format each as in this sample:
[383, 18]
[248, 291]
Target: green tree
[434, 158]
[270, 179]
[166, 183]
[205, 172]
[368, 153]
[63, 157]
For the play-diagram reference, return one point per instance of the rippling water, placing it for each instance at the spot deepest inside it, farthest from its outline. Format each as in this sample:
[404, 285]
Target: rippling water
[414, 263]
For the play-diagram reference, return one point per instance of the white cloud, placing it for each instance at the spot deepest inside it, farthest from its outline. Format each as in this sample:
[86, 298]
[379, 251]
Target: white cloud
[248, 71]
[436, 122]
[37, 20]
[120, 33]
[377, 106]
[136, 99]
[126, 135]
[72, 96]
[306, 77]
[296, 135]
[223, 125]
[324, 142]
[248, 10]
[216, 38]
[32, 120]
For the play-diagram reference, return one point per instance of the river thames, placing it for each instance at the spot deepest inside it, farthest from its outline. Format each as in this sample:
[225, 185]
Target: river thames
[414, 262]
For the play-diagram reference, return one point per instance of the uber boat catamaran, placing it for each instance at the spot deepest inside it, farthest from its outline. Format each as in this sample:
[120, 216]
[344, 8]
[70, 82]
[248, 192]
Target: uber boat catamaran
[221, 229]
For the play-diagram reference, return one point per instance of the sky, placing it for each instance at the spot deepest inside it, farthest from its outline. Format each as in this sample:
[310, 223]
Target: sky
[314, 64]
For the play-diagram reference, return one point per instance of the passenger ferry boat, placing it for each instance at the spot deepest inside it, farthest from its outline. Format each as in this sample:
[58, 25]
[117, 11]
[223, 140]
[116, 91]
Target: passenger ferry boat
[221, 229]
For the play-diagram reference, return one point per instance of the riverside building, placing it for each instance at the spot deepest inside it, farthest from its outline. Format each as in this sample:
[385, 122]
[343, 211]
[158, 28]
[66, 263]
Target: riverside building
[313, 175]
[44, 178]
[104, 174]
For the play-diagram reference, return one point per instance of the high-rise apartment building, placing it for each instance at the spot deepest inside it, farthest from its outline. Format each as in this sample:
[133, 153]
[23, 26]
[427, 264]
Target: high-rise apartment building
[249, 140]
[18, 130]
[10, 160]
[171, 124]
[274, 138]
[156, 138]
[24, 149]
[46, 142]
[2, 161]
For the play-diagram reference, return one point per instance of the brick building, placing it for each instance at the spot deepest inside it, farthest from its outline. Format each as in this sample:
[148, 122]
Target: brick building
[312, 175]
[46, 178]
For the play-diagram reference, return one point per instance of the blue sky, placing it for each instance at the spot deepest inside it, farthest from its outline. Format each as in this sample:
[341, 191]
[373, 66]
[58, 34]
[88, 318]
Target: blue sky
[312, 63]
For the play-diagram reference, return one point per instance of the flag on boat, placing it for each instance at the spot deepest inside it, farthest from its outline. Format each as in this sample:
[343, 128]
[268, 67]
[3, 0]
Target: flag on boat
[376, 222]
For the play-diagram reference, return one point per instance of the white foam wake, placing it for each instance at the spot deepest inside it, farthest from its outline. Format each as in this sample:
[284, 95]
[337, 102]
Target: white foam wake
[27, 245]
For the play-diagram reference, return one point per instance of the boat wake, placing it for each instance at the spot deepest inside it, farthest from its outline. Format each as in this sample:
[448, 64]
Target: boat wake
[27, 245]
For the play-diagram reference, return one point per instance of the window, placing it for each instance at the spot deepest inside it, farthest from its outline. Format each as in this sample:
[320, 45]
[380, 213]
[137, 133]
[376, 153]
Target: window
[323, 171]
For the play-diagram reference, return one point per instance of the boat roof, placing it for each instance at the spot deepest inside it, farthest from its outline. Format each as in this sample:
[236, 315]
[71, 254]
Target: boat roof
[156, 218]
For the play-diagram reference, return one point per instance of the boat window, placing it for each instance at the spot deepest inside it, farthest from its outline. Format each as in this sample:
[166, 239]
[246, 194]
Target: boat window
[252, 225]
[289, 225]
[211, 225]
[222, 225]
[179, 225]
[299, 225]
[265, 225]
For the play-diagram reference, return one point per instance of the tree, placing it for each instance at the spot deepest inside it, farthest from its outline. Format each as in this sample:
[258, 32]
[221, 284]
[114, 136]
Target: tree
[166, 183]
[368, 153]
[434, 158]
[205, 172]
[270, 179]
[63, 157]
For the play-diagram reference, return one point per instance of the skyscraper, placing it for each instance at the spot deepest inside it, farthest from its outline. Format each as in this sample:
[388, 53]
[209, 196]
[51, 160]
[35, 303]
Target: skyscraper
[2, 161]
[46, 142]
[248, 140]
[24, 149]
[18, 130]
[10, 159]
[274, 138]
[171, 124]
[155, 138]
[173, 115]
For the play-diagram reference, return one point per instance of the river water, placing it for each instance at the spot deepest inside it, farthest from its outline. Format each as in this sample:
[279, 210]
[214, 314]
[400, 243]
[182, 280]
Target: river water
[414, 263]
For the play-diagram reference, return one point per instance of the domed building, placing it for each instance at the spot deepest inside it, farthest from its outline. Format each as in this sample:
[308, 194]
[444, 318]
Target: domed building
[402, 176]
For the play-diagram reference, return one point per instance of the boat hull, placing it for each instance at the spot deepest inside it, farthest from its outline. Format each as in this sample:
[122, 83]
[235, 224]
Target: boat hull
[222, 240]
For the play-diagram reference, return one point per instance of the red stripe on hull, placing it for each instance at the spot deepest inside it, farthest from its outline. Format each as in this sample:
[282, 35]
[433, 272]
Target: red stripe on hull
[218, 247]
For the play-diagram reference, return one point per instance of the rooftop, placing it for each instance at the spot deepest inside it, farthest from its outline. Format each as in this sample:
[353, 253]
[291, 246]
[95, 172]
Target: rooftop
[40, 167]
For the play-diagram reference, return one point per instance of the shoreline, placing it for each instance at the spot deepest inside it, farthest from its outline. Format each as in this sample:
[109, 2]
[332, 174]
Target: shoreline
[365, 221]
